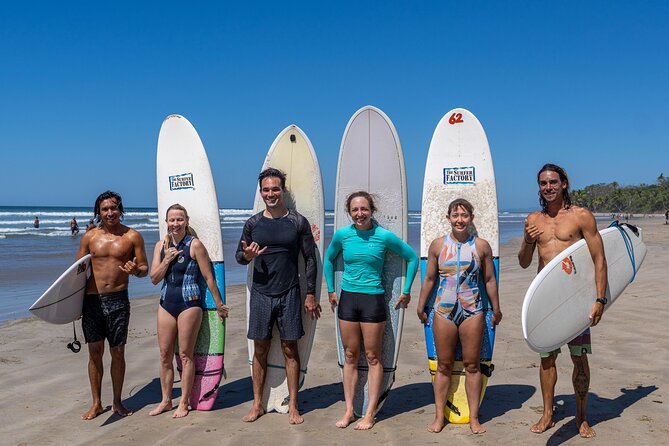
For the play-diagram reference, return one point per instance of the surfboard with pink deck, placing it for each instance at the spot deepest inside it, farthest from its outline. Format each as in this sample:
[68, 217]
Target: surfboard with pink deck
[184, 177]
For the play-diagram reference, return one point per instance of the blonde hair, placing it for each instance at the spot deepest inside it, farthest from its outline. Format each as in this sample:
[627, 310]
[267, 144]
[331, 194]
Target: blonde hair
[189, 230]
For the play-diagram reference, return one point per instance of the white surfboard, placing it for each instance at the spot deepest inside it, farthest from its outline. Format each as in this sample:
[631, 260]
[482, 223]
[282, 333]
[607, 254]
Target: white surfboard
[560, 298]
[184, 177]
[63, 301]
[292, 153]
[371, 159]
[459, 165]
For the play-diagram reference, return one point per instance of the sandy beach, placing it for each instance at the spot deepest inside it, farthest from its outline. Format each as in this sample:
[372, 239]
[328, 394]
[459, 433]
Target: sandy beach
[45, 386]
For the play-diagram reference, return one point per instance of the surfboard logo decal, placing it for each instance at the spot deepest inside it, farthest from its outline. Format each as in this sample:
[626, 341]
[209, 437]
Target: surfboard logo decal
[460, 175]
[182, 181]
[316, 232]
[81, 268]
[568, 265]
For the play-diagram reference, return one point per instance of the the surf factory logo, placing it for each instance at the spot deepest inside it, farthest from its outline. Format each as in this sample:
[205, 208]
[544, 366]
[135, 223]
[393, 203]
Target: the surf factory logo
[460, 175]
[182, 181]
[568, 265]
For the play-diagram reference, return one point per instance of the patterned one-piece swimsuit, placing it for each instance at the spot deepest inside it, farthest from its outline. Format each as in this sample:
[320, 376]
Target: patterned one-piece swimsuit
[458, 296]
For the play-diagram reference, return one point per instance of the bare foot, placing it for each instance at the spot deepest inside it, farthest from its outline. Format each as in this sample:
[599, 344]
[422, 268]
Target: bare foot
[253, 415]
[164, 406]
[294, 417]
[120, 409]
[345, 421]
[475, 426]
[365, 424]
[181, 411]
[436, 426]
[585, 431]
[542, 425]
[94, 411]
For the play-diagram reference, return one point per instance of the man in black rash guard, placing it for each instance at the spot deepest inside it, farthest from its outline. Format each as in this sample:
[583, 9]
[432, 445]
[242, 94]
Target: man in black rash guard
[275, 238]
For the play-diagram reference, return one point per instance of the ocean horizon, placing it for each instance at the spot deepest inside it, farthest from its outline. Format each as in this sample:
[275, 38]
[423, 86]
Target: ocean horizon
[36, 257]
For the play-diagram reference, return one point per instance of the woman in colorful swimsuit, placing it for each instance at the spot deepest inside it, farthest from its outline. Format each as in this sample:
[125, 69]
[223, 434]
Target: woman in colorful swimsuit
[361, 307]
[181, 261]
[462, 263]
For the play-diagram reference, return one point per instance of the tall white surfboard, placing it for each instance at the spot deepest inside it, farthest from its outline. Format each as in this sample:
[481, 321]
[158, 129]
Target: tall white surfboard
[559, 300]
[184, 177]
[459, 165]
[292, 153]
[371, 159]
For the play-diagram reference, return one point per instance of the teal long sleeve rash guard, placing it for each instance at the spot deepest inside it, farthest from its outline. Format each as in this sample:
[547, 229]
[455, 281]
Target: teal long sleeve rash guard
[364, 253]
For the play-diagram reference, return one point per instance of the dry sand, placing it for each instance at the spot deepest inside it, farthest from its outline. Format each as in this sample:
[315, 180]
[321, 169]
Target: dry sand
[44, 387]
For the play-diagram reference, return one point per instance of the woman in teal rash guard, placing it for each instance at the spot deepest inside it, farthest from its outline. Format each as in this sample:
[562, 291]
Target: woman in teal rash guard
[361, 307]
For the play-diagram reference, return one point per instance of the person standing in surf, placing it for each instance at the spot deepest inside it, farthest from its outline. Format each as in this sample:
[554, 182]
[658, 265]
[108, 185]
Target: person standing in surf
[74, 226]
[273, 239]
[361, 307]
[558, 225]
[181, 261]
[463, 264]
[117, 252]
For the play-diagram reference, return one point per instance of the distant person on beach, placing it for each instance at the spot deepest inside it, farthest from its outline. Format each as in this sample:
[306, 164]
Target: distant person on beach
[666, 218]
[36, 223]
[91, 225]
[557, 226]
[117, 252]
[361, 306]
[463, 265]
[180, 261]
[274, 238]
[74, 226]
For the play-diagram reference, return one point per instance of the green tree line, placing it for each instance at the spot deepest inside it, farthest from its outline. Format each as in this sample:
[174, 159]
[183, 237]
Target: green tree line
[611, 197]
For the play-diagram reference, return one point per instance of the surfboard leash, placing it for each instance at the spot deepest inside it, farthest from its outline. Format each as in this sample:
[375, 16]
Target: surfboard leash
[75, 345]
[628, 243]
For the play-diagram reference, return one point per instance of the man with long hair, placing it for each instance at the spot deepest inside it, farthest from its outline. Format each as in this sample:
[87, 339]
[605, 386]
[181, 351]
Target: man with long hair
[557, 226]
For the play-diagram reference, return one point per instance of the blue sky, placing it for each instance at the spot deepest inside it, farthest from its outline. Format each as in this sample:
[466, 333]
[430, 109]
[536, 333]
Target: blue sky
[86, 85]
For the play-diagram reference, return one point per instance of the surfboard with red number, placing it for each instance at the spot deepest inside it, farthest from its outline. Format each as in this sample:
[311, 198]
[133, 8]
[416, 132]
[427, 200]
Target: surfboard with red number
[459, 165]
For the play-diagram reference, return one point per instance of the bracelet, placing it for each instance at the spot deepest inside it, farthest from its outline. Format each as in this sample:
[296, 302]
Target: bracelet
[528, 243]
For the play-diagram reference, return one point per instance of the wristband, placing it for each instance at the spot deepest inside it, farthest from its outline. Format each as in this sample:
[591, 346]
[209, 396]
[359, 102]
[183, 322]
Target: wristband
[602, 300]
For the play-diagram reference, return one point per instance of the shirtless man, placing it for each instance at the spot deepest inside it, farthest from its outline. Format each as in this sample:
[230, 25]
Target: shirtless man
[117, 252]
[558, 225]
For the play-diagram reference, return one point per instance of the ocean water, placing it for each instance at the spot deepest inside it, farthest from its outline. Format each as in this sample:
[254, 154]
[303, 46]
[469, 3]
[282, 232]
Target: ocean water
[33, 258]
